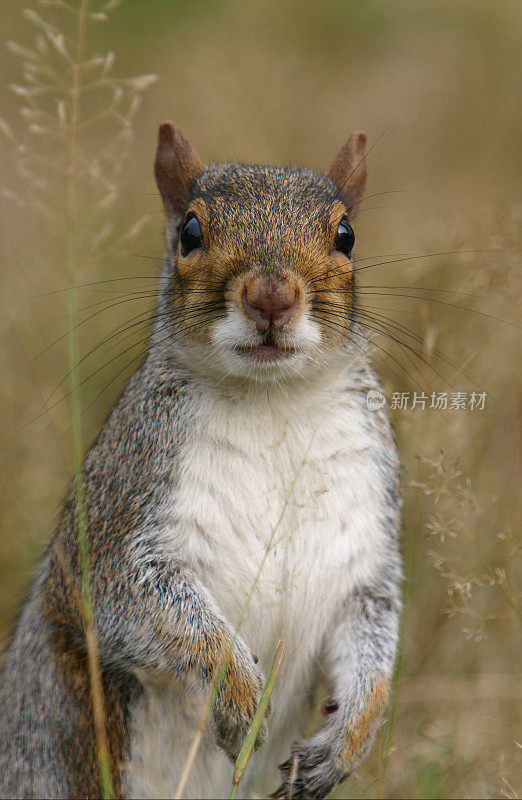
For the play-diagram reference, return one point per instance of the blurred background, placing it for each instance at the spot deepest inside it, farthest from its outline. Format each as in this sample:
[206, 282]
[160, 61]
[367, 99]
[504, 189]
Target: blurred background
[436, 86]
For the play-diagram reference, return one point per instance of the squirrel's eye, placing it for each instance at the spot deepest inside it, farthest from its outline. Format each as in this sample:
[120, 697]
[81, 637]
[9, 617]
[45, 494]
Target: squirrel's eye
[345, 238]
[190, 236]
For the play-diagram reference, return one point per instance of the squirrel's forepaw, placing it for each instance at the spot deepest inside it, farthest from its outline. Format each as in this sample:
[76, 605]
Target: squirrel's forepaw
[237, 701]
[312, 770]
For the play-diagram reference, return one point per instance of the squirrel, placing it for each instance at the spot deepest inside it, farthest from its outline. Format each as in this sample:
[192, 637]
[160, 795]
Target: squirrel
[244, 439]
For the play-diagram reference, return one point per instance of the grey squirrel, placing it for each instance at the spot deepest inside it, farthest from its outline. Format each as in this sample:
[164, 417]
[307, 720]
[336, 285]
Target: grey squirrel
[244, 434]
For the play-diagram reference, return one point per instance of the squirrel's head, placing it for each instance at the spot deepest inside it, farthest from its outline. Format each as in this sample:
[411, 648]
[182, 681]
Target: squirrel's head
[261, 279]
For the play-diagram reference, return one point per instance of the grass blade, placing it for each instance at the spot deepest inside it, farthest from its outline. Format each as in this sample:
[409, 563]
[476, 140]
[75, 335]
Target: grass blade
[251, 737]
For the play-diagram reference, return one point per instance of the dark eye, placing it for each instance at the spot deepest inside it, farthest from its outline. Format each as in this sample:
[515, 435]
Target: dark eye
[190, 236]
[345, 238]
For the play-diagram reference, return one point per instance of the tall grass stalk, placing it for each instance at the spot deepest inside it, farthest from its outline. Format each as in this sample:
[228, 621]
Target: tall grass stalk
[71, 221]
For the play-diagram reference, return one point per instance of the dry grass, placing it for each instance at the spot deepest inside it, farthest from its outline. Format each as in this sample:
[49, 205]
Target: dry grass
[287, 82]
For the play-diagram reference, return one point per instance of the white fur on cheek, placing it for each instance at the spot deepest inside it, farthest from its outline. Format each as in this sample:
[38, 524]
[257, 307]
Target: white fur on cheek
[305, 332]
[234, 331]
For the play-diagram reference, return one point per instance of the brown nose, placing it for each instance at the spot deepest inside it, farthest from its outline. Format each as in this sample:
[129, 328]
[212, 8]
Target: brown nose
[270, 303]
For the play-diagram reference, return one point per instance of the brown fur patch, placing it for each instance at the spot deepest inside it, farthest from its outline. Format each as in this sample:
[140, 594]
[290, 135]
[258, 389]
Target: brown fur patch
[238, 687]
[78, 743]
[361, 728]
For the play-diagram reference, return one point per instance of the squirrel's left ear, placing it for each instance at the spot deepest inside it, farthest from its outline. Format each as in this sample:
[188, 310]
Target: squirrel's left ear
[348, 170]
[176, 168]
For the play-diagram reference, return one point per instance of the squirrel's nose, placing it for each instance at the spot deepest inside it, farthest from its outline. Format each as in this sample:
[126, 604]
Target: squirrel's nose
[270, 303]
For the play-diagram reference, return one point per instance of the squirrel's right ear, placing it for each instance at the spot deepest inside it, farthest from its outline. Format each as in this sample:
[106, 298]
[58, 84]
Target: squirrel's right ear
[176, 168]
[348, 170]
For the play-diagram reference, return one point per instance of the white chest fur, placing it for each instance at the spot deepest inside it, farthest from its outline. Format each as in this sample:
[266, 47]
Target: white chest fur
[278, 497]
[276, 505]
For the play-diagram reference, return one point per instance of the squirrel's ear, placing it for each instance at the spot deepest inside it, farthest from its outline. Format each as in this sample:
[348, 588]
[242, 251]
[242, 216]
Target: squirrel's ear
[176, 168]
[348, 170]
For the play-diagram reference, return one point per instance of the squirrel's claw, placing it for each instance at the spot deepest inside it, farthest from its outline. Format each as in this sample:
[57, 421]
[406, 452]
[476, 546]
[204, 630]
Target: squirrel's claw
[311, 772]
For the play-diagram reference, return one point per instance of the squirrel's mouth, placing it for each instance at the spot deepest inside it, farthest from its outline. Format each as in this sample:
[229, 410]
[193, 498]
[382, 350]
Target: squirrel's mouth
[266, 353]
